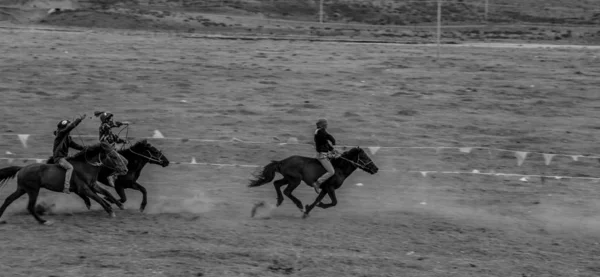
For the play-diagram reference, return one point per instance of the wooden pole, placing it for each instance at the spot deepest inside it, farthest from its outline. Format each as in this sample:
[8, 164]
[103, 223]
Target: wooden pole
[321, 11]
[486, 10]
[439, 27]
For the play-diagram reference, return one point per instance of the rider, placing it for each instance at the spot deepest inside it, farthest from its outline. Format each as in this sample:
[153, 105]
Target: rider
[324, 145]
[106, 135]
[60, 151]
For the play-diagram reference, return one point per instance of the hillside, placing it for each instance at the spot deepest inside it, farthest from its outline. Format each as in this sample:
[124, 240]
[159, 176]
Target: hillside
[262, 17]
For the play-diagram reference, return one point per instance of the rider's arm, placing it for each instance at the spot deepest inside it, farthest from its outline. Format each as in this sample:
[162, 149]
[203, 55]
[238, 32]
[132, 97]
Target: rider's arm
[71, 125]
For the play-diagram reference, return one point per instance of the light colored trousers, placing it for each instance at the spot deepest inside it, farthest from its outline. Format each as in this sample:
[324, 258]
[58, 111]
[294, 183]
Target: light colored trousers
[324, 159]
[66, 165]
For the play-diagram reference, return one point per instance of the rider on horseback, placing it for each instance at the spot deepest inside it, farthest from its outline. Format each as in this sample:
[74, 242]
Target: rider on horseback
[106, 135]
[324, 145]
[62, 143]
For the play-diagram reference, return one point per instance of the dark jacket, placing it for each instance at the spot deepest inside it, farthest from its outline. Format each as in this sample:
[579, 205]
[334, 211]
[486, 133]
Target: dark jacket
[63, 141]
[106, 134]
[321, 138]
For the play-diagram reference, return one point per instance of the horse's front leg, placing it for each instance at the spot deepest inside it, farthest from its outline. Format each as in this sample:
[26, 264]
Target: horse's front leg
[311, 206]
[88, 192]
[331, 193]
[107, 195]
[86, 199]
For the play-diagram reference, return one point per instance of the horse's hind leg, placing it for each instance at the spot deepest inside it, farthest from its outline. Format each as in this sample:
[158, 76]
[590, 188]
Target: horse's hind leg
[33, 195]
[292, 185]
[11, 198]
[278, 184]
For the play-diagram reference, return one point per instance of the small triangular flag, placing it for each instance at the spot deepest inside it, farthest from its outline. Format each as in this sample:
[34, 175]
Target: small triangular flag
[9, 153]
[24, 138]
[465, 149]
[576, 157]
[374, 149]
[557, 177]
[524, 179]
[10, 160]
[234, 139]
[193, 161]
[475, 171]
[521, 156]
[424, 173]
[548, 158]
[39, 161]
[157, 134]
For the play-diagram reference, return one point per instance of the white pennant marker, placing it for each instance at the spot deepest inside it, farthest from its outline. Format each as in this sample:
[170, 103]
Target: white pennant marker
[521, 156]
[548, 158]
[193, 161]
[465, 149]
[157, 134]
[23, 138]
[374, 149]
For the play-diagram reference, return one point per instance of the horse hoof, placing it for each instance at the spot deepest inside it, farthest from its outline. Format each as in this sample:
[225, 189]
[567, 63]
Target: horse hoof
[121, 207]
[304, 216]
[141, 210]
[89, 207]
[112, 214]
[48, 223]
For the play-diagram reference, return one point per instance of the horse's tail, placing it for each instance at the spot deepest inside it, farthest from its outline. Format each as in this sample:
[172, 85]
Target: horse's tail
[266, 175]
[8, 173]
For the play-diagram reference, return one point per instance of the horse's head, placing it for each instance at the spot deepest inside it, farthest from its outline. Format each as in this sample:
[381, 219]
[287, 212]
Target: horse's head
[360, 159]
[113, 159]
[146, 150]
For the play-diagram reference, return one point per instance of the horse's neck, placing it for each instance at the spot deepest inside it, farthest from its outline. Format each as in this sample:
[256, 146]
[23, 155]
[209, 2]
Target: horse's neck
[89, 168]
[135, 162]
[345, 167]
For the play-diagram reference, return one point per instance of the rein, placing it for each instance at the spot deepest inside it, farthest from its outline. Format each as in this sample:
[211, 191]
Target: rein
[149, 158]
[357, 164]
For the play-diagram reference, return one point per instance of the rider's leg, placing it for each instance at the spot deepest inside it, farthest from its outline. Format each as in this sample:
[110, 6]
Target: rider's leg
[330, 171]
[67, 166]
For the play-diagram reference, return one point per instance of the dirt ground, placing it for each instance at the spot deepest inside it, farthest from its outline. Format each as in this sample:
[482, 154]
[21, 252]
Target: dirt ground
[398, 224]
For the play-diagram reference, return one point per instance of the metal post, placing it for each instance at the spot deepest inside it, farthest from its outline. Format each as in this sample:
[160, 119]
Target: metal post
[321, 11]
[439, 27]
[486, 10]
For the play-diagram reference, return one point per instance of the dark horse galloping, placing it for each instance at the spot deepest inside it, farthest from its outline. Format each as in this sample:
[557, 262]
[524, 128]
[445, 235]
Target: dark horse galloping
[138, 155]
[296, 169]
[86, 166]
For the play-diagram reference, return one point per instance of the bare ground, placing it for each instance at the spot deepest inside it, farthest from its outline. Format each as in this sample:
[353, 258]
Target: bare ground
[397, 224]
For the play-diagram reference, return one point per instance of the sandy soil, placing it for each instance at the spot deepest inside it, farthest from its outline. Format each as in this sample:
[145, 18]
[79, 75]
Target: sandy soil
[397, 224]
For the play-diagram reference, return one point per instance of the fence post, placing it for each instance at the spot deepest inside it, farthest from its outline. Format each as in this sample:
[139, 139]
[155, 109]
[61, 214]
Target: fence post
[321, 11]
[439, 26]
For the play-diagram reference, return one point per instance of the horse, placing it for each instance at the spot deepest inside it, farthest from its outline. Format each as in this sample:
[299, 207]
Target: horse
[296, 169]
[86, 166]
[138, 155]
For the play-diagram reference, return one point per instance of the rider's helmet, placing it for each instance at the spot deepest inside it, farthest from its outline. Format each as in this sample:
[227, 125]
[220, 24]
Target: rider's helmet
[104, 116]
[321, 123]
[63, 124]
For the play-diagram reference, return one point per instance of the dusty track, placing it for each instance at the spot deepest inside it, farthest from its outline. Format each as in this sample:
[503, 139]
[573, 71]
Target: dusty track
[198, 217]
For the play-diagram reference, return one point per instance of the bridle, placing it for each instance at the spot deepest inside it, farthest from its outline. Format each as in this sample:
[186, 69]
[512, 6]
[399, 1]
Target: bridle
[359, 163]
[151, 158]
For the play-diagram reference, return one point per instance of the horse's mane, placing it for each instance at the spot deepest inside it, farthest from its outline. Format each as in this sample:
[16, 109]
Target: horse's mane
[87, 153]
[134, 146]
